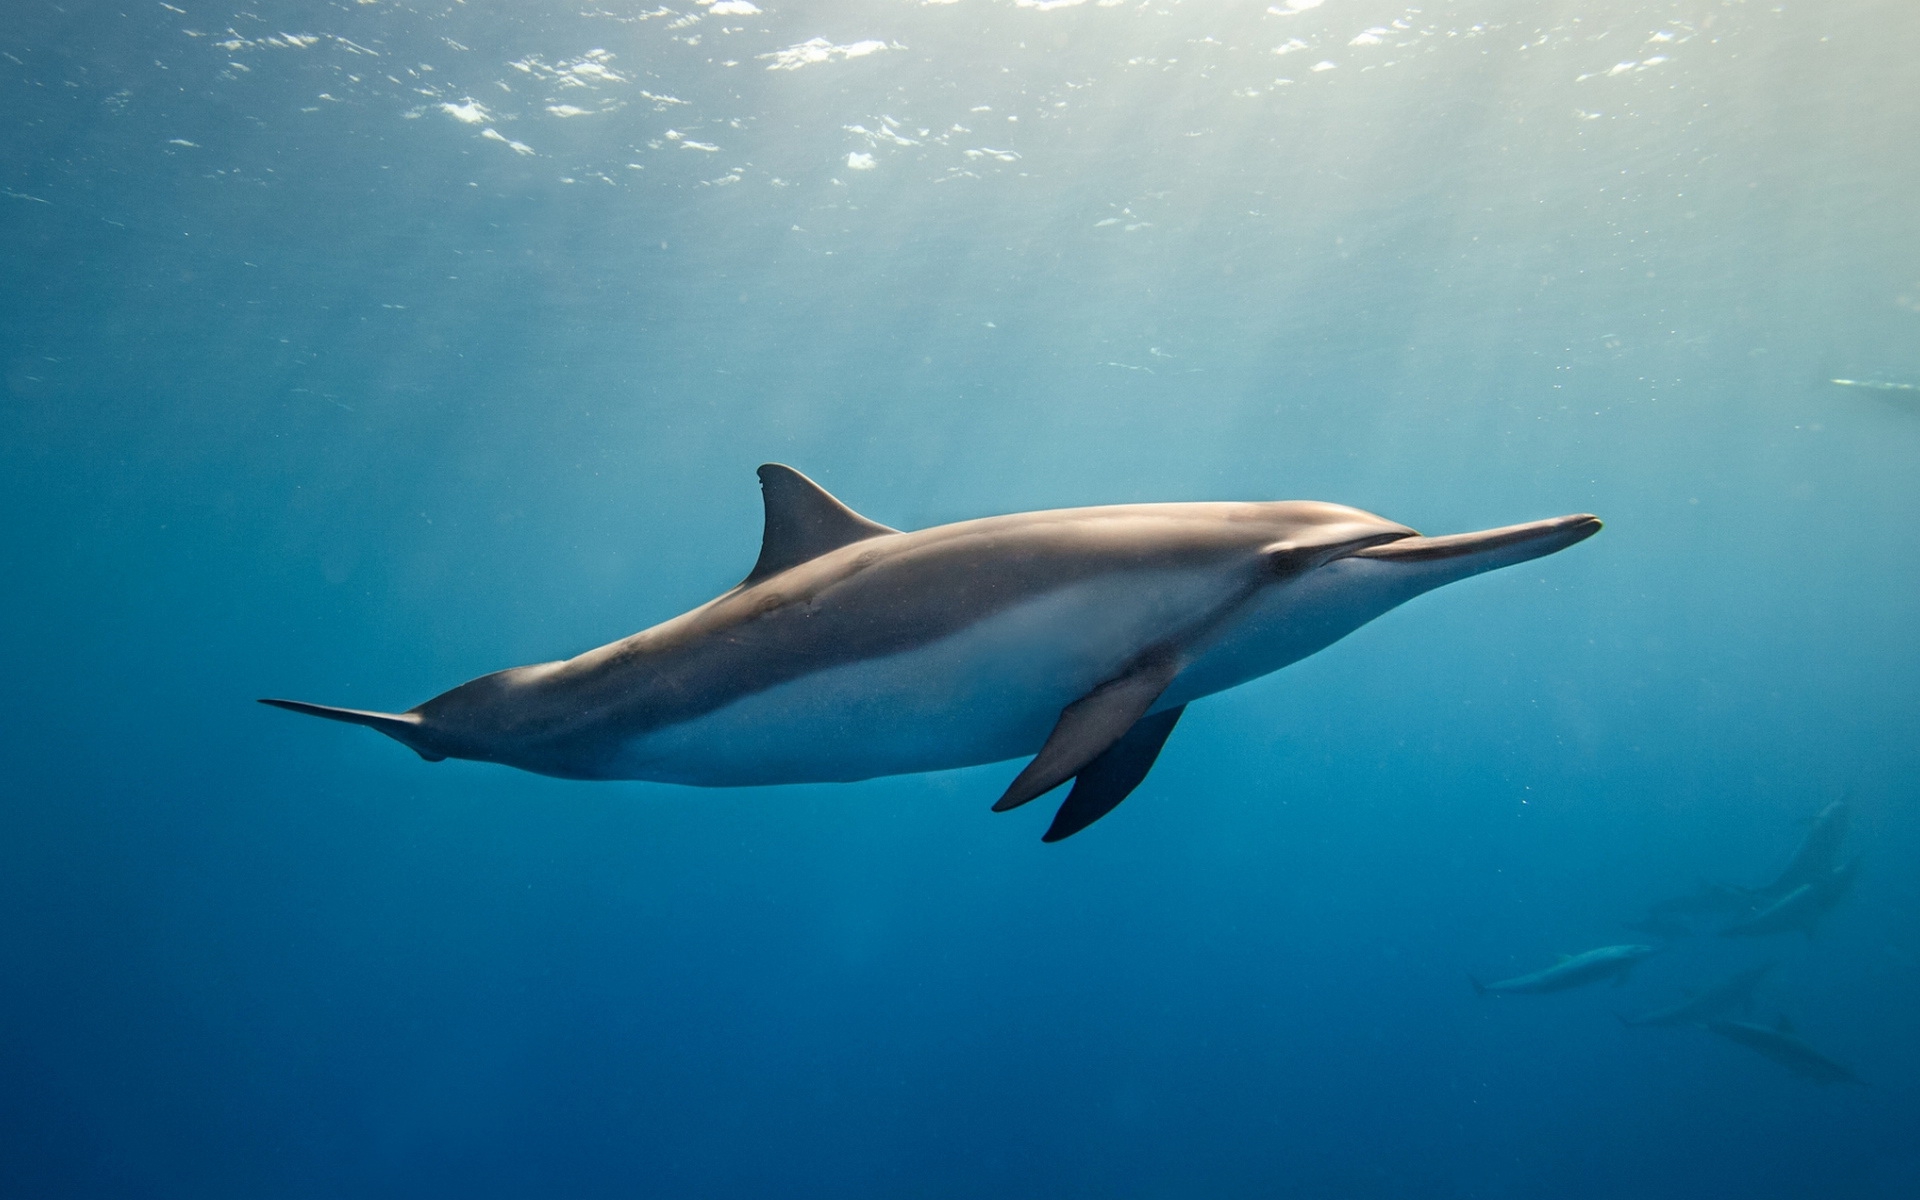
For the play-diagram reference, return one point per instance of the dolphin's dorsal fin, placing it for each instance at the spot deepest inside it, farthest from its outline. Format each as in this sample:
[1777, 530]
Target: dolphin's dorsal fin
[1784, 1025]
[803, 522]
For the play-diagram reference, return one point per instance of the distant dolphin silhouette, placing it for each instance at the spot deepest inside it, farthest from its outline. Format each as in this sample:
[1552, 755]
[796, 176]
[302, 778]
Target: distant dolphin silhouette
[1800, 908]
[1572, 971]
[853, 650]
[1669, 918]
[1782, 1044]
[1817, 857]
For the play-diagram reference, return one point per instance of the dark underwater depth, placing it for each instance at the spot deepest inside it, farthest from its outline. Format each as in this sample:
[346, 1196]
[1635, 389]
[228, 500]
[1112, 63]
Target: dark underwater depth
[353, 349]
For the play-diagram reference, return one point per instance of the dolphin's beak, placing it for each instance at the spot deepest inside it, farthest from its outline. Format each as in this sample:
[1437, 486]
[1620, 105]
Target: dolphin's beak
[1489, 548]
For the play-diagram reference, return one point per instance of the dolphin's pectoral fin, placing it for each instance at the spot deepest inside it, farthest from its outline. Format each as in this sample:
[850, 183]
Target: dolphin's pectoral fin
[803, 522]
[1089, 725]
[1103, 783]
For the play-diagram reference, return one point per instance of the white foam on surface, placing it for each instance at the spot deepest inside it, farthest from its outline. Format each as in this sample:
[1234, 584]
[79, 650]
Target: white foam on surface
[1878, 385]
[888, 131]
[820, 50]
[494, 135]
[468, 112]
[592, 69]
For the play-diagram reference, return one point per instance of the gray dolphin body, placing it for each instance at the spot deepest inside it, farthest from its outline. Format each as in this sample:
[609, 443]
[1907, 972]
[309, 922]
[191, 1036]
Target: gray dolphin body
[1817, 856]
[1782, 1045]
[1578, 970]
[1801, 908]
[853, 650]
[1812, 879]
[1730, 994]
[1672, 917]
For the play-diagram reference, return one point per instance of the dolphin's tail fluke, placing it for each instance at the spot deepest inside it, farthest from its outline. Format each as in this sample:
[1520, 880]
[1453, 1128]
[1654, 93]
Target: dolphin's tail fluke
[1479, 989]
[401, 727]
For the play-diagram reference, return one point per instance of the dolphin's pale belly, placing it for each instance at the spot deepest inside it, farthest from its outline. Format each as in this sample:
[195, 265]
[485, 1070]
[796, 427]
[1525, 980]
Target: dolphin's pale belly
[989, 692]
[1288, 622]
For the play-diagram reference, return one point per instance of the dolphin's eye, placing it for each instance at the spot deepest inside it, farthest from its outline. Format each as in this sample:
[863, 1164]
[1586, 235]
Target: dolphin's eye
[1286, 558]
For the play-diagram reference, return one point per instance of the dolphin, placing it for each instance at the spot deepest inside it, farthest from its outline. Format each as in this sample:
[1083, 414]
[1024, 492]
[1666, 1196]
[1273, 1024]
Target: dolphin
[1608, 962]
[1732, 993]
[1817, 856]
[854, 650]
[1709, 899]
[1801, 908]
[1670, 919]
[1779, 1043]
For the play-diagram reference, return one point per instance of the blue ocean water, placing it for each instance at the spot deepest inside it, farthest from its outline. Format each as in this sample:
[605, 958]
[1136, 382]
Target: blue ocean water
[356, 349]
